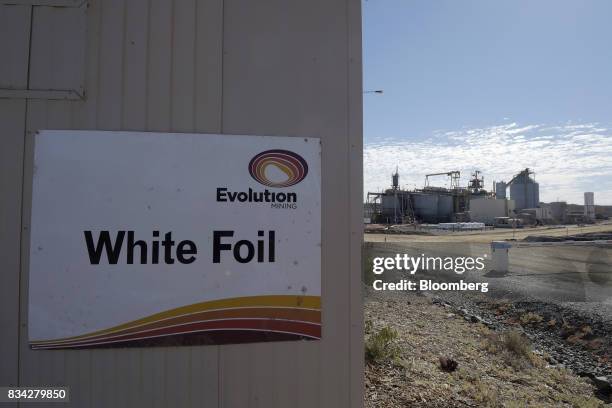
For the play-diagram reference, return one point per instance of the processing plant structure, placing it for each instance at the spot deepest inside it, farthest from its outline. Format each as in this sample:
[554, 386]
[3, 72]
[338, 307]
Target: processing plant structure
[454, 203]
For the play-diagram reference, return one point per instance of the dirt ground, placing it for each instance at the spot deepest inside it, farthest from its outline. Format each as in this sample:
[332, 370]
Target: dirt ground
[487, 236]
[486, 375]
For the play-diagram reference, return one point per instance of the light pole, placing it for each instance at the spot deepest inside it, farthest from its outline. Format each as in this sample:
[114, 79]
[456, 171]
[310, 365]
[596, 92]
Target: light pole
[378, 91]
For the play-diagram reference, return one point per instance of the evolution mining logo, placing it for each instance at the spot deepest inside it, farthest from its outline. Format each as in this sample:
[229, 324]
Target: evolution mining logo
[291, 164]
[293, 169]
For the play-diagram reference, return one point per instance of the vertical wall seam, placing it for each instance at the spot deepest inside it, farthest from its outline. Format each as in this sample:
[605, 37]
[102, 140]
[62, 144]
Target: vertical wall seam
[221, 130]
[98, 62]
[147, 58]
[20, 272]
[171, 82]
[222, 59]
[189, 378]
[195, 69]
[140, 379]
[123, 66]
[219, 382]
[165, 358]
[97, 67]
[30, 46]
[350, 205]
[354, 127]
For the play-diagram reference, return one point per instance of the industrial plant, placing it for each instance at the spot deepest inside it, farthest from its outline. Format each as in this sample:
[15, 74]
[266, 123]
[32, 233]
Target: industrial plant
[513, 203]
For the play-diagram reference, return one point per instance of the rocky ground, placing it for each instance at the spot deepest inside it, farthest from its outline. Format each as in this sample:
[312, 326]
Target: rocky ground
[580, 341]
[447, 353]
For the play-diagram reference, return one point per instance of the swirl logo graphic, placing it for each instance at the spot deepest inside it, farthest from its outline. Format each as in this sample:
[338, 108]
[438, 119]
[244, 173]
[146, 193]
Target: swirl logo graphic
[291, 164]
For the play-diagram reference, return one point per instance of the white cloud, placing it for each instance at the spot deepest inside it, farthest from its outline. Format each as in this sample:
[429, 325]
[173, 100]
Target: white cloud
[568, 159]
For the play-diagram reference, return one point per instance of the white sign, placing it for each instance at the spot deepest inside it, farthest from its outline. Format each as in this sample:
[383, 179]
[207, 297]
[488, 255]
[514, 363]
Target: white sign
[167, 239]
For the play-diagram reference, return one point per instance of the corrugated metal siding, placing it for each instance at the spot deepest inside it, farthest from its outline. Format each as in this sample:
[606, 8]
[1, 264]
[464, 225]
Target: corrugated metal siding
[270, 67]
[57, 61]
[12, 122]
[14, 40]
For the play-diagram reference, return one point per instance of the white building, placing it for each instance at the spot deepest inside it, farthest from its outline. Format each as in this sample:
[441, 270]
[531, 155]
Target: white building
[486, 209]
[589, 205]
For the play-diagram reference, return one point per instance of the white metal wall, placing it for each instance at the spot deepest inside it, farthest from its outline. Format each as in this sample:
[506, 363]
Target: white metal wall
[271, 67]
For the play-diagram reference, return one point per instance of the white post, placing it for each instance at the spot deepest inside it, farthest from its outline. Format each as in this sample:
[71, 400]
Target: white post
[500, 256]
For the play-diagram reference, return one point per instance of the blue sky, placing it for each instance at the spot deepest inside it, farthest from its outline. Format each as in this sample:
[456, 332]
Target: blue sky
[490, 85]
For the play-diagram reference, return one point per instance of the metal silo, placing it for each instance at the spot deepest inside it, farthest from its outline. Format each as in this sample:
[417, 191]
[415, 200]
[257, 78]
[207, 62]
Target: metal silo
[426, 207]
[524, 190]
[589, 205]
[391, 207]
[500, 189]
[445, 208]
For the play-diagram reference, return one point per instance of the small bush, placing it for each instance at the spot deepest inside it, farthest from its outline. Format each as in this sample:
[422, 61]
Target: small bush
[514, 347]
[581, 336]
[486, 395]
[516, 343]
[482, 393]
[502, 308]
[560, 376]
[594, 344]
[567, 330]
[531, 319]
[580, 401]
[381, 346]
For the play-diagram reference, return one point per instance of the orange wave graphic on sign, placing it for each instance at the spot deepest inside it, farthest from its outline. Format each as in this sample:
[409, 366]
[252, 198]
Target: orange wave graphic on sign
[298, 316]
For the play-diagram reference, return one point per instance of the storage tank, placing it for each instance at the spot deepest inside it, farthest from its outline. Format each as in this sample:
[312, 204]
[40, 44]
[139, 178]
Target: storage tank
[426, 207]
[589, 205]
[391, 207]
[445, 208]
[500, 189]
[525, 191]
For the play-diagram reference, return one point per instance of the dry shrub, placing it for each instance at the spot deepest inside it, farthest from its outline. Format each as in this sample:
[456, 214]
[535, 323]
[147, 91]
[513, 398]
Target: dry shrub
[595, 344]
[567, 330]
[581, 336]
[515, 349]
[516, 343]
[502, 308]
[559, 376]
[484, 394]
[580, 401]
[575, 339]
[531, 319]
[382, 346]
